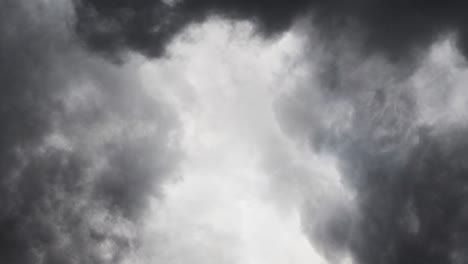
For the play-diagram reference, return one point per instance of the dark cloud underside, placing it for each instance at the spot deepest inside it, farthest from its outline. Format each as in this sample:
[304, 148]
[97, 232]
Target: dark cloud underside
[399, 29]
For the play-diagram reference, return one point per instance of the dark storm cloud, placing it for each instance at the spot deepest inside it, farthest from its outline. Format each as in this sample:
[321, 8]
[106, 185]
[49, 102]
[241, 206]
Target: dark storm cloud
[82, 148]
[147, 26]
[413, 211]
[407, 176]
[400, 29]
[408, 179]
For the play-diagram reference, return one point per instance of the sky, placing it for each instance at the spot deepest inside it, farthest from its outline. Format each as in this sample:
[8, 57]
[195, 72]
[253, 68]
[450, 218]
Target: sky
[233, 132]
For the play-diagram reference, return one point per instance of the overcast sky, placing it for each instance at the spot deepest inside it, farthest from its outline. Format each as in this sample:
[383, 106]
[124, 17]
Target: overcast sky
[233, 132]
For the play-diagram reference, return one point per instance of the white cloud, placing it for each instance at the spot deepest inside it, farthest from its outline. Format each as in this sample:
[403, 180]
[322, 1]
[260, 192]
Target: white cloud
[243, 181]
[440, 82]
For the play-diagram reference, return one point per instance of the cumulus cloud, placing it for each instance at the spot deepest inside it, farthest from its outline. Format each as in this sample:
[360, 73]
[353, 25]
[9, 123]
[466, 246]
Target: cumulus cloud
[354, 138]
[227, 208]
[82, 146]
[402, 159]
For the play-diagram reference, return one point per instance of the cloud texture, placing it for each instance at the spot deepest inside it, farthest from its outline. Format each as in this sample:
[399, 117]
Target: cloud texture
[82, 147]
[85, 147]
[404, 162]
[398, 29]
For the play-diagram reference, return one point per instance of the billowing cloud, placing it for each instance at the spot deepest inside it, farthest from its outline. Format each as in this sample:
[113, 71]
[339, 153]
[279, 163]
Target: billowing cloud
[400, 144]
[82, 146]
[398, 29]
[284, 147]
[227, 208]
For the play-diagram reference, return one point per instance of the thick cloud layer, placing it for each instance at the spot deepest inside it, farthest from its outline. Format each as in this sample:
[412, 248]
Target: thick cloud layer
[399, 29]
[82, 148]
[405, 166]
[407, 176]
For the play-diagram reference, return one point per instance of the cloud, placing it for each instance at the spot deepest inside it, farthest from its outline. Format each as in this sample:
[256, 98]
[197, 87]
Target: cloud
[236, 201]
[403, 162]
[81, 152]
[147, 26]
[367, 156]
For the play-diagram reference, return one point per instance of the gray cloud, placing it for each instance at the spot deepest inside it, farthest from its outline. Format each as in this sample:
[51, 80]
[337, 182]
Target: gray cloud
[82, 146]
[407, 174]
[146, 26]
